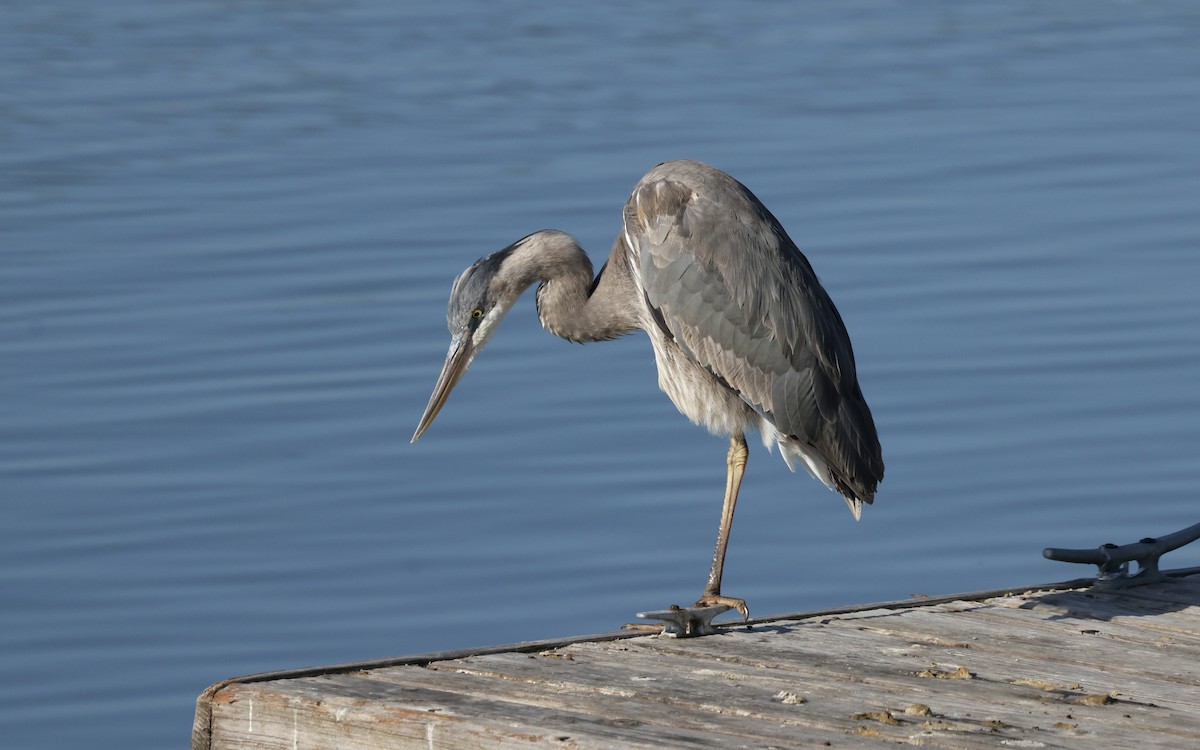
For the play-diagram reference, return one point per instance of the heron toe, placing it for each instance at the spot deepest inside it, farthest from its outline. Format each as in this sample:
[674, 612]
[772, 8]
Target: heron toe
[716, 600]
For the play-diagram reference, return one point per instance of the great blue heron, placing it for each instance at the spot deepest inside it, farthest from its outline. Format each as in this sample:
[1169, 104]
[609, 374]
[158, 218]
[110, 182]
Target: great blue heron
[744, 335]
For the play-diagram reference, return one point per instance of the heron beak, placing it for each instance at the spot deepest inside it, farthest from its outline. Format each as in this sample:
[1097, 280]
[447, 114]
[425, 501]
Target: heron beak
[458, 359]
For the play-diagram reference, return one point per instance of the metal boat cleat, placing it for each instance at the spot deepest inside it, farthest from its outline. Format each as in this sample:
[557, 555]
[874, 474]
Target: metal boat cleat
[1113, 561]
[686, 622]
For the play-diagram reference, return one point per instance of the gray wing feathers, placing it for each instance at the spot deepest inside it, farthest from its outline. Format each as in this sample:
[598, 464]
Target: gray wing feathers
[740, 299]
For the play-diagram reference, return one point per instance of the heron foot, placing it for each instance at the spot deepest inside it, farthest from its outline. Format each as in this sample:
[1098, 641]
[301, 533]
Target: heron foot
[729, 602]
[644, 627]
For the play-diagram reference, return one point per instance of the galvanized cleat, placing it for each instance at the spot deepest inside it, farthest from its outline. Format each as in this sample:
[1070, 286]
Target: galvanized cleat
[686, 622]
[1113, 561]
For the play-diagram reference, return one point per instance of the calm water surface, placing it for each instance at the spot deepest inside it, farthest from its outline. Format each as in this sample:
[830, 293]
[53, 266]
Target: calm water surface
[227, 233]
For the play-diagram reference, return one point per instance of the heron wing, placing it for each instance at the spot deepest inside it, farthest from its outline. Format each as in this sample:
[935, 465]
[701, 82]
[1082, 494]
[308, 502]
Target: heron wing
[724, 280]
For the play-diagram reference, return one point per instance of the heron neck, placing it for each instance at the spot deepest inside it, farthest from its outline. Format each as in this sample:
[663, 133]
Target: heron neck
[571, 303]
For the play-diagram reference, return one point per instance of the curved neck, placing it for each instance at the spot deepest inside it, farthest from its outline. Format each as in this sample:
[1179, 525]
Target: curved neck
[571, 304]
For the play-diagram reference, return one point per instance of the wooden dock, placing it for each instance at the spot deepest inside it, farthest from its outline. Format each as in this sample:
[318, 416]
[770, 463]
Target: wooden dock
[1063, 666]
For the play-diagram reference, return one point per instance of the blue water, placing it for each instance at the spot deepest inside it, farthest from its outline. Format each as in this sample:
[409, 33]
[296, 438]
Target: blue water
[227, 234]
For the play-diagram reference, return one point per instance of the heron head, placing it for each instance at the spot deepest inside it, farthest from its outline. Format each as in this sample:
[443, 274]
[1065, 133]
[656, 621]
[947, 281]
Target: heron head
[479, 299]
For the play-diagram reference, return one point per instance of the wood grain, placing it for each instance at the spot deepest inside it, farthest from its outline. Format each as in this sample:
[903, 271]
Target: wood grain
[1052, 668]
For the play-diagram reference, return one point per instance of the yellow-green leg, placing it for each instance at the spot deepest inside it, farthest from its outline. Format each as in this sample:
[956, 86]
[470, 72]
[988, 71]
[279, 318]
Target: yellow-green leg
[736, 464]
[697, 619]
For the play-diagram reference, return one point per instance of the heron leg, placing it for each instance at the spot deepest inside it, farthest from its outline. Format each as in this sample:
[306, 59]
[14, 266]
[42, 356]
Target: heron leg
[697, 619]
[736, 465]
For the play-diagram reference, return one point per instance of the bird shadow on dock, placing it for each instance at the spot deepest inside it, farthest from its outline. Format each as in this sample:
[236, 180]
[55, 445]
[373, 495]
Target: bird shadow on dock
[1079, 599]
[1174, 594]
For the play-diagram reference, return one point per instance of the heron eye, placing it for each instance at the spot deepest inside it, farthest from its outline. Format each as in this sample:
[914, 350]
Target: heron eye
[477, 313]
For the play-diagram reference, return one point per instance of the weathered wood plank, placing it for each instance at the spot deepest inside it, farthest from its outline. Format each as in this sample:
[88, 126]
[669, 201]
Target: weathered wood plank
[335, 711]
[1055, 669]
[733, 692]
